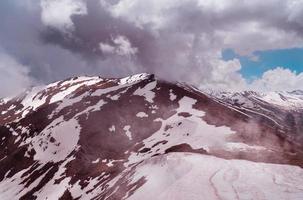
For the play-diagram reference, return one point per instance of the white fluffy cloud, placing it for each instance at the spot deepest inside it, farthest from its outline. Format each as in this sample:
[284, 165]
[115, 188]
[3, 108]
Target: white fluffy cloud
[226, 76]
[279, 79]
[121, 46]
[13, 76]
[57, 13]
[244, 26]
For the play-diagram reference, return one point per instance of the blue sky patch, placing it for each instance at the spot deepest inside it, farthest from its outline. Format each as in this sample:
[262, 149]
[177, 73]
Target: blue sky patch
[254, 68]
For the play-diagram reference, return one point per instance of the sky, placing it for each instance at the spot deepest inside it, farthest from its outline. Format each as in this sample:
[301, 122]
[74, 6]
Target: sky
[226, 45]
[265, 60]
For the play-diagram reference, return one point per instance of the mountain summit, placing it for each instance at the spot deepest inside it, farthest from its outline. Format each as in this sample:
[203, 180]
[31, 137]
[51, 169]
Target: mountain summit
[139, 137]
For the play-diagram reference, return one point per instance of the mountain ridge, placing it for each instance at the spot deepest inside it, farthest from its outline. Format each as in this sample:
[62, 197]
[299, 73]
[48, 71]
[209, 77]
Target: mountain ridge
[90, 138]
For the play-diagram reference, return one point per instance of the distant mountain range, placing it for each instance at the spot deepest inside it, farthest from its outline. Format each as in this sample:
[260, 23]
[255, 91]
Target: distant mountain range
[143, 138]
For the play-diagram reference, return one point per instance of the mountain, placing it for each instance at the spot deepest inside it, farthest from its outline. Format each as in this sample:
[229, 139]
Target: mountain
[285, 109]
[143, 138]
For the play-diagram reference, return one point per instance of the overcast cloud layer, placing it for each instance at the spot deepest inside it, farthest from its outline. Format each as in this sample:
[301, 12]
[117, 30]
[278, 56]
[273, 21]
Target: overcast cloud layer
[47, 40]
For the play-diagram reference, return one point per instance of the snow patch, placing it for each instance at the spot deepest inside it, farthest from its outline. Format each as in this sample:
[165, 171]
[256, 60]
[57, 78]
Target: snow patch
[32, 100]
[112, 128]
[172, 96]
[14, 187]
[96, 161]
[75, 84]
[141, 114]
[133, 79]
[147, 92]
[56, 141]
[238, 146]
[52, 190]
[127, 132]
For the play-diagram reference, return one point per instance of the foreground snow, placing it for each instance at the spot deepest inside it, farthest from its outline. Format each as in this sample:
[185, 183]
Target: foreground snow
[193, 176]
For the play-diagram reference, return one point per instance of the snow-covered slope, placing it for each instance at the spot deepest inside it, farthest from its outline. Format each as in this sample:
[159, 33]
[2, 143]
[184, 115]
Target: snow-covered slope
[284, 100]
[285, 109]
[192, 176]
[129, 138]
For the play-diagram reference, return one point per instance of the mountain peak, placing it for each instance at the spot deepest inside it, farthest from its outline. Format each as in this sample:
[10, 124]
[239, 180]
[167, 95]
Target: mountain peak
[136, 78]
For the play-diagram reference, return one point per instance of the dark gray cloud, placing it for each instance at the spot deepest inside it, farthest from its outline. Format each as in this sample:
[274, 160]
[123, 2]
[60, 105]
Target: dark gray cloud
[98, 26]
[177, 40]
[20, 38]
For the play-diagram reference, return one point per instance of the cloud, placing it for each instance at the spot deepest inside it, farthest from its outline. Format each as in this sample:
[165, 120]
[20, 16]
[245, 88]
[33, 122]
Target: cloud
[236, 22]
[14, 76]
[58, 13]
[226, 76]
[279, 79]
[182, 40]
[121, 46]
[176, 40]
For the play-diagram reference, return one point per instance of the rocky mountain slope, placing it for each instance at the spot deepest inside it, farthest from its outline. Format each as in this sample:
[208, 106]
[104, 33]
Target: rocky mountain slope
[285, 109]
[143, 138]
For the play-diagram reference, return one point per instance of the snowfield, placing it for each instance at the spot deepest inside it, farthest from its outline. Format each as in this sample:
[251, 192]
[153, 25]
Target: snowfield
[186, 176]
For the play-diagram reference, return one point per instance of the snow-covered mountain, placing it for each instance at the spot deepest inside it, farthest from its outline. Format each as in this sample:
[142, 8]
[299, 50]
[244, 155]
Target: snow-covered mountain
[283, 100]
[143, 138]
[285, 109]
